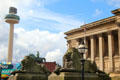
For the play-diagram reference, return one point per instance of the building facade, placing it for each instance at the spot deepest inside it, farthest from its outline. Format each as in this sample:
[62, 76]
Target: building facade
[103, 41]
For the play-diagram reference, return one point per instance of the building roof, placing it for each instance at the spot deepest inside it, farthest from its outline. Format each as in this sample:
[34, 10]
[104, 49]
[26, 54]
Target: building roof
[116, 12]
[96, 23]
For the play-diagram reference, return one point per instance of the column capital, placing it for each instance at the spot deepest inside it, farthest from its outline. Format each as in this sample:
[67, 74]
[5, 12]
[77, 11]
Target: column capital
[93, 36]
[78, 39]
[68, 41]
[109, 32]
[118, 29]
[100, 35]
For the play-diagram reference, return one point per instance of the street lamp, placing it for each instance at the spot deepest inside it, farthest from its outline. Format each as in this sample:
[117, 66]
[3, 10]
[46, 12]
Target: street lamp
[82, 48]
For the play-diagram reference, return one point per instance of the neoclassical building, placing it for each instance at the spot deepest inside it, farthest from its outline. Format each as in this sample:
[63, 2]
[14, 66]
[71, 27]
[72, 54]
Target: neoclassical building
[103, 41]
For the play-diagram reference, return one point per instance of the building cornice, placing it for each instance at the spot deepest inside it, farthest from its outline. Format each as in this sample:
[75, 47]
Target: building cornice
[93, 24]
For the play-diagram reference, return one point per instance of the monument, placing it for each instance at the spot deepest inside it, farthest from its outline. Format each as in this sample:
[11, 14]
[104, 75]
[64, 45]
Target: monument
[12, 19]
[71, 69]
[31, 70]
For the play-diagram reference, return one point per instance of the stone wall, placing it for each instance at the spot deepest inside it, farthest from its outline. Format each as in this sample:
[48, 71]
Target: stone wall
[72, 76]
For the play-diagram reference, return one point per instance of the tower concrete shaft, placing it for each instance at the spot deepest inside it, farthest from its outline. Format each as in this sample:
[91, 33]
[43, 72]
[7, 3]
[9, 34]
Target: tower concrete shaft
[10, 43]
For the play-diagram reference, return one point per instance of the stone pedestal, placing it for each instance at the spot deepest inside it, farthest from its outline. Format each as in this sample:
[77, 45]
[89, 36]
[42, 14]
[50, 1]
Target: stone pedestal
[72, 76]
[28, 76]
[115, 76]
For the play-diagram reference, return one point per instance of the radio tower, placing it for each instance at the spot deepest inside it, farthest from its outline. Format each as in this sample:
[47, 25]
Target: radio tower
[12, 19]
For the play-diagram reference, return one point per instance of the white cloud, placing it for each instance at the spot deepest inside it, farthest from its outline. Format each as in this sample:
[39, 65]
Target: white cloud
[36, 40]
[33, 12]
[47, 18]
[3, 52]
[55, 55]
[97, 13]
[50, 19]
[115, 3]
[3, 41]
[26, 42]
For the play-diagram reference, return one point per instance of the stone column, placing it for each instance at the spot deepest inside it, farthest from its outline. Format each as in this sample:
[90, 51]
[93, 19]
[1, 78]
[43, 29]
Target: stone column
[119, 45]
[86, 54]
[101, 51]
[77, 43]
[119, 41]
[93, 48]
[110, 50]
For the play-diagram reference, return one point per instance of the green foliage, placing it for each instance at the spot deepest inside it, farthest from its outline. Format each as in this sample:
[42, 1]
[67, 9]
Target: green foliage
[103, 76]
[72, 54]
[90, 67]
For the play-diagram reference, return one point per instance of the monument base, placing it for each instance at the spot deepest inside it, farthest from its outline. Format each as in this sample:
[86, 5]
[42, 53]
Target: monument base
[28, 76]
[115, 76]
[72, 76]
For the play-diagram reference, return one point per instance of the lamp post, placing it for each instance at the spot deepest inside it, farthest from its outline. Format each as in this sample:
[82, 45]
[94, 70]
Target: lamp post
[82, 48]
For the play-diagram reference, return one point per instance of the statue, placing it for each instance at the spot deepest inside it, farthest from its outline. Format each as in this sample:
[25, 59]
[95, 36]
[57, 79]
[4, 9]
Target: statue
[29, 64]
[71, 59]
[39, 59]
[31, 69]
[71, 69]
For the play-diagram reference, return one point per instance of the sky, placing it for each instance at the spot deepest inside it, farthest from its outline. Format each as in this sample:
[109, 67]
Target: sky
[43, 23]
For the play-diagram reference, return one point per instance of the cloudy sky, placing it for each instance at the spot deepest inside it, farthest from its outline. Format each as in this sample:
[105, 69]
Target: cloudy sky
[43, 23]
